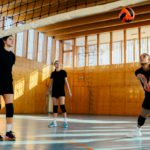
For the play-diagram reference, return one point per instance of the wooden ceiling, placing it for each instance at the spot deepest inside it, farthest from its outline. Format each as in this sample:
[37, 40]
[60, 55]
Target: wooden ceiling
[97, 23]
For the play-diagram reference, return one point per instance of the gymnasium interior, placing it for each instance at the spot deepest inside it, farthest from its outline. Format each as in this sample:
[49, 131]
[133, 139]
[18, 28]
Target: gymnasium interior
[100, 54]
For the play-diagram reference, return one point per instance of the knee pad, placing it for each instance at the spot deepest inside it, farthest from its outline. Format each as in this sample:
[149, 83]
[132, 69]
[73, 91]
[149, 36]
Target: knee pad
[63, 108]
[55, 109]
[141, 120]
[9, 110]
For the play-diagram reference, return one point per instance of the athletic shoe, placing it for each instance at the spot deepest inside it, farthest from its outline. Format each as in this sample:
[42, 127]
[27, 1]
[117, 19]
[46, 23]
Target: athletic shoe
[52, 124]
[10, 136]
[135, 133]
[65, 125]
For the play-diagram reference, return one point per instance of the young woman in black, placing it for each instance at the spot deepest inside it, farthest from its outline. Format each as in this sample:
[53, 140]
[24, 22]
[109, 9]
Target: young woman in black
[58, 81]
[7, 60]
[143, 74]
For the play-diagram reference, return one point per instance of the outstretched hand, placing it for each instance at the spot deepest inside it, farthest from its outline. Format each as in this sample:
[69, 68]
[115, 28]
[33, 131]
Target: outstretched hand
[146, 84]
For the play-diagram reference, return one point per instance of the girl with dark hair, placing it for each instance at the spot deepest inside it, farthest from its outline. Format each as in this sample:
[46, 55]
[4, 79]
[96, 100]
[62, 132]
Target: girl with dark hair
[7, 60]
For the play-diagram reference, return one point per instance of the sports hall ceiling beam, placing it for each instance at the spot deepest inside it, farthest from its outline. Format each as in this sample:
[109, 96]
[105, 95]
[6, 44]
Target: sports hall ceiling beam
[98, 25]
[92, 19]
[96, 31]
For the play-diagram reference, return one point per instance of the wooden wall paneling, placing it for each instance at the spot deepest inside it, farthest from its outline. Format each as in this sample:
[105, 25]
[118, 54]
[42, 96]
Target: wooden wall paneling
[31, 99]
[132, 101]
[103, 94]
[117, 102]
[104, 100]
[84, 99]
[130, 78]
[117, 76]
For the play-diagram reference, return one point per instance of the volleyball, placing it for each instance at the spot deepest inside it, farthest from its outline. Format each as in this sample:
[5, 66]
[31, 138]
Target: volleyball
[127, 15]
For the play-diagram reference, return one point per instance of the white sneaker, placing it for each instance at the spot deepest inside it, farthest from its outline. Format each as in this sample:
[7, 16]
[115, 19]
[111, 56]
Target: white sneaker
[52, 124]
[135, 133]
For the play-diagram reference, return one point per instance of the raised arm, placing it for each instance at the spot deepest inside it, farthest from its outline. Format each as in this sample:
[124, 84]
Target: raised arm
[143, 79]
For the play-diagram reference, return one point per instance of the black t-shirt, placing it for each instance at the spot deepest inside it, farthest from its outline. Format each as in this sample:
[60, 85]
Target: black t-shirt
[146, 102]
[7, 59]
[143, 72]
[58, 79]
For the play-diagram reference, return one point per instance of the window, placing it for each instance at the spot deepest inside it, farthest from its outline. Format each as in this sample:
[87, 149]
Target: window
[57, 51]
[49, 49]
[132, 49]
[40, 46]
[80, 47]
[145, 39]
[88, 55]
[8, 22]
[68, 60]
[19, 44]
[68, 53]
[92, 50]
[68, 45]
[81, 56]
[30, 44]
[92, 55]
[136, 50]
[117, 47]
[80, 41]
[104, 49]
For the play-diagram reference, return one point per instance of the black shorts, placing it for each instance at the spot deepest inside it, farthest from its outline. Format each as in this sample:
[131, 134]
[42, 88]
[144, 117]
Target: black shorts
[146, 102]
[58, 93]
[6, 87]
